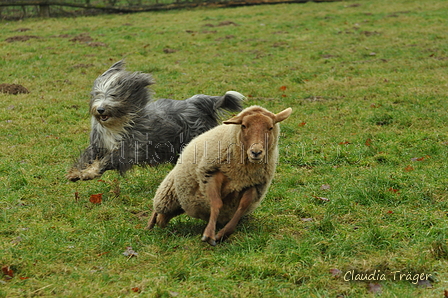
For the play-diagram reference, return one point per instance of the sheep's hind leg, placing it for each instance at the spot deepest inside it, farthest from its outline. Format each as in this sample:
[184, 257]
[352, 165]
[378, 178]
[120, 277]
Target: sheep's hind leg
[213, 192]
[152, 221]
[245, 202]
[166, 204]
[161, 219]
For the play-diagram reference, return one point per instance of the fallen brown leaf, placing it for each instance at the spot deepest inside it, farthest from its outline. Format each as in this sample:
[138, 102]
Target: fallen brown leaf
[96, 199]
[391, 189]
[8, 272]
[408, 169]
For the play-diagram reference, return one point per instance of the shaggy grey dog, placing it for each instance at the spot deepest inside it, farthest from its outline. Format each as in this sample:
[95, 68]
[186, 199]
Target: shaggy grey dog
[129, 129]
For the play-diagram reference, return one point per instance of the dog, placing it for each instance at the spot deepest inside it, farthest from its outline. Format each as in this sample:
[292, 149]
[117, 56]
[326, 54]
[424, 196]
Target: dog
[128, 128]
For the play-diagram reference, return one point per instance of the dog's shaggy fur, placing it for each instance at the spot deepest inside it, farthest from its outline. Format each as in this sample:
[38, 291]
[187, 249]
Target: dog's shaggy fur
[129, 129]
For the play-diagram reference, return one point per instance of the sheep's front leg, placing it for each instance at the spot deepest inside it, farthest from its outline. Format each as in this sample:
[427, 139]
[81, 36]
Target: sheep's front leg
[245, 202]
[213, 193]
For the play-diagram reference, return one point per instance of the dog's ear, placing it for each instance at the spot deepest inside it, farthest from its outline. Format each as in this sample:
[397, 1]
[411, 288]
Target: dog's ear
[118, 66]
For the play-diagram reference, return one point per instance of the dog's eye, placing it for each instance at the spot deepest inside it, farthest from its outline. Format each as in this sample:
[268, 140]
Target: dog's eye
[270, 128]
[243, 126]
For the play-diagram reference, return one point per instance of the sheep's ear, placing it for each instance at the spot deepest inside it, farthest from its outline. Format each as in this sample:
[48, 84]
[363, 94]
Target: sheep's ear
[283, 115]
[234, 120]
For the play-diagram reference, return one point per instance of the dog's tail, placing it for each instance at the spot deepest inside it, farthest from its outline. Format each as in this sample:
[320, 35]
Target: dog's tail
[232, 101]
[217, 107]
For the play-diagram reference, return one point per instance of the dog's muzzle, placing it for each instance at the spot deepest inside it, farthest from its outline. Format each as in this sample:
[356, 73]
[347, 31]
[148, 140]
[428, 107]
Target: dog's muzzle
[100, 111]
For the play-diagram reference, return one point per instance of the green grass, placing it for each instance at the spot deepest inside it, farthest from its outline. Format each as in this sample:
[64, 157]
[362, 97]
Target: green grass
[368, 88]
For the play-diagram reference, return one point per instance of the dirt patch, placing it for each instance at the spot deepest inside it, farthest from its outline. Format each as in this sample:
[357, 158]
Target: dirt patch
[84, 37]
[226, 37]
[280, 44]
[82, 65]
[169, 51]
[329, 56]
[370, 33]
[97, 44]
[315, 98]
[20, 38]
[13, 89]
[224, 23]
[227, 23]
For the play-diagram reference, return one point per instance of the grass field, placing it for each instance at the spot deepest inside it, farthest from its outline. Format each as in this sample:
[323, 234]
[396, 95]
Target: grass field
[361, 189]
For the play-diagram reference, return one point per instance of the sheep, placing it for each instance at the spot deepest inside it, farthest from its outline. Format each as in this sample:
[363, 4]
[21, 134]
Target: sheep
[223, 174]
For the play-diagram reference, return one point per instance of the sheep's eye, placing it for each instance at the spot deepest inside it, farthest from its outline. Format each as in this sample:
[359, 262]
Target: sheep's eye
[243, 126]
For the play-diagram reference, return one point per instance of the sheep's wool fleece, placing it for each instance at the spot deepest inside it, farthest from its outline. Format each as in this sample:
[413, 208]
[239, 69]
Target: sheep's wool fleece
[219, 149]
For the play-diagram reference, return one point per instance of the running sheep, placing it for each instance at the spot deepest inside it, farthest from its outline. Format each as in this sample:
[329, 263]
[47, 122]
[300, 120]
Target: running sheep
[223, 174]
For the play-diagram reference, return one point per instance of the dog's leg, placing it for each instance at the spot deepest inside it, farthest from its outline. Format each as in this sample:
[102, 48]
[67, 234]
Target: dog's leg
[91, 164]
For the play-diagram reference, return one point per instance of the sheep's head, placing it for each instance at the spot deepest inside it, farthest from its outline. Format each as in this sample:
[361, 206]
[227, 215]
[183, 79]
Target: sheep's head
[258, 130]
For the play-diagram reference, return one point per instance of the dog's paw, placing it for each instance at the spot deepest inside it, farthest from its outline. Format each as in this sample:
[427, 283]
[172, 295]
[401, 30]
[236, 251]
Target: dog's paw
[89, 176]
[73, 175]
[91, 172]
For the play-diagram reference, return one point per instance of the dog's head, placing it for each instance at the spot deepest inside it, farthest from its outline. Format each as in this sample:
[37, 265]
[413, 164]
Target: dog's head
[119, 95]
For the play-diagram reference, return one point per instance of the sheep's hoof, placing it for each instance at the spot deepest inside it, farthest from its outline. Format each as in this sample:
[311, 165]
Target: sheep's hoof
[150, 226]
[209, 240]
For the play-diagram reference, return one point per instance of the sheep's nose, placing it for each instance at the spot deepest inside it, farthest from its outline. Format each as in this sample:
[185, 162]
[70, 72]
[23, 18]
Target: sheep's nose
[256, 153]
[101, 110]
